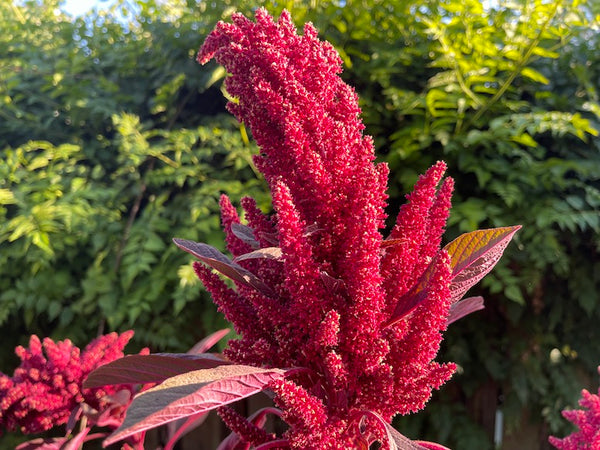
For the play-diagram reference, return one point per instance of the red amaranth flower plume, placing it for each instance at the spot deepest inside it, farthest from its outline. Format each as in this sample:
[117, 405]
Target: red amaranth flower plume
[340, 323]
[338, 283]
[47, 387]
[588, 422]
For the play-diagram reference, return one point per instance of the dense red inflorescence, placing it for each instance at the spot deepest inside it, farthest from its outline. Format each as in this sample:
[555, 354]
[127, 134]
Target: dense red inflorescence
[339, 286]
[47, 386]
[588, 422]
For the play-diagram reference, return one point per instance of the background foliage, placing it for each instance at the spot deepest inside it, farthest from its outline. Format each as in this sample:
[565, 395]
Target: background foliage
[114, 140]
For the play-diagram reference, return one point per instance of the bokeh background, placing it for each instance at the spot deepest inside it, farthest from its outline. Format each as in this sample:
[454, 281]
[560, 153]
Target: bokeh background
[113, 140]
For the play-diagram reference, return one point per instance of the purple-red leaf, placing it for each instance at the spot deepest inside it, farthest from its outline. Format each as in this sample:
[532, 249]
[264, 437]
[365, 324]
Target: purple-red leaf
[262, 253]
[400, 442]
[474, 254]
[192, 393]
[141, 369]
[463, 308]
[245, 234]
[218, 261]
[207, 343]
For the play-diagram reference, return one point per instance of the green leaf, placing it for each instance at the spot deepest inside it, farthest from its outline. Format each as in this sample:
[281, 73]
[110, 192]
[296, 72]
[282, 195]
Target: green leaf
[534, 75]
[7, 197]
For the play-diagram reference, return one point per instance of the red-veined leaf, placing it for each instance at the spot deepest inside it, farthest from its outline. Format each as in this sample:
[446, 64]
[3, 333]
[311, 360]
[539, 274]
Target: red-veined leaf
[141, 369]
[207, 343]
[192, 393]
[400, 442]
[245, 234]
[218, 261]
[261, 253]
[395, 440]
[474, 254]
[463, 308]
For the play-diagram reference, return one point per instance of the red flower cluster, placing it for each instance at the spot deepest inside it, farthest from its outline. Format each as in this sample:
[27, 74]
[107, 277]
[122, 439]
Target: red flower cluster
[363, 313]
[47, 387]
[588, 422]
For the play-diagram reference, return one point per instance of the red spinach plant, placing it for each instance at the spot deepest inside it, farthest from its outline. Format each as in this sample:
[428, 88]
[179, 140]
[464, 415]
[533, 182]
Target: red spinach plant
[340, 324]
[587, 421]
[46, 391]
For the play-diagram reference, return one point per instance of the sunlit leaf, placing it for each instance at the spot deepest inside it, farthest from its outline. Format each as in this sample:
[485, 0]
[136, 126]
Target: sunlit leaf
[7, 197]
[463, 308]
[263, 253]
[193, 393]
[141, 369]
[534, 75]
[218, 261]
[474, 254]
[400, 442]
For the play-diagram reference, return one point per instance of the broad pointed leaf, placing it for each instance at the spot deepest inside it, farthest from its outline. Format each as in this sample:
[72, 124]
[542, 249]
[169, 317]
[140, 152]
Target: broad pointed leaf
[395, 440]
[400, 442]
[193, 393]
[218, 261]
[463, 308]
[474, 254]
[245, 234]
[261, 253]
[141, 369]
[207, 343]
